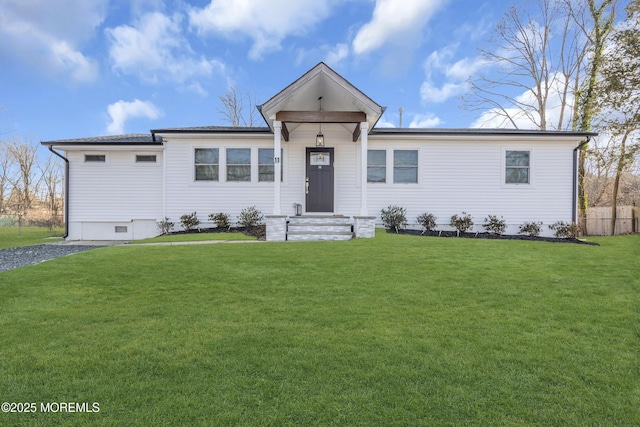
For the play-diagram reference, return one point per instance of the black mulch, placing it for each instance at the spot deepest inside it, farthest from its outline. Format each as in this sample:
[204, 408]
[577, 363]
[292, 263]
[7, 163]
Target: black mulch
[492, 236]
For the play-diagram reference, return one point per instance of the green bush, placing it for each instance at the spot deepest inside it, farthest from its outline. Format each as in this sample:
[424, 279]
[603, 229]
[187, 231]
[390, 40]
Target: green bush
[250, 217]
[494, 225]
[220, 219]
[189, 221]
[394, 217]
[564, 230]
[165, 226]
[531, 229]
[427, 221]
[462, 223]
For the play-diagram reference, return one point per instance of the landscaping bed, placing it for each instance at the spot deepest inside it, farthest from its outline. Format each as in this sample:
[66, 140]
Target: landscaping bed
[492, 236]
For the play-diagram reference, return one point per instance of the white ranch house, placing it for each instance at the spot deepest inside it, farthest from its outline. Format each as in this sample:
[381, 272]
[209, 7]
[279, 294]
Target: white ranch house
[120, 187]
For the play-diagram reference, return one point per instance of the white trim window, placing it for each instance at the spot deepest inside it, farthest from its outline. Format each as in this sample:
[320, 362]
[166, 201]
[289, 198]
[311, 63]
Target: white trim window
[405, 166]
[95, 158]
[377, 166]
[238, 164]
[207, 164]
[266, 167]
[146, 158]
[517, 167]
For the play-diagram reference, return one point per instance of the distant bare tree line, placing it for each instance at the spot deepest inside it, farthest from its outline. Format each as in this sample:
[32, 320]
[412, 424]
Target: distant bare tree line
[30, 188]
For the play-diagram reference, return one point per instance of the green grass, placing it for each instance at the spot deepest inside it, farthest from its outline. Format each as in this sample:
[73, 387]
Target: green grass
[11, 237]
[397, 330]
[195, 237]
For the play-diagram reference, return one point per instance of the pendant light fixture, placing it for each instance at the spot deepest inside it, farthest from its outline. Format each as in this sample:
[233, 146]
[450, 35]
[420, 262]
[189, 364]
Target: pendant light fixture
[320, 136]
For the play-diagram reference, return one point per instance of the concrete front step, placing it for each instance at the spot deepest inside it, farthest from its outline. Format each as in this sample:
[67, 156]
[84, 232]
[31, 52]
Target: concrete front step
[310, 237]
[321, 227]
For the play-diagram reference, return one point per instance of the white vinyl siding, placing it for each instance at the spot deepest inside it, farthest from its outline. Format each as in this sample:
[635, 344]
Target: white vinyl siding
[116, 191]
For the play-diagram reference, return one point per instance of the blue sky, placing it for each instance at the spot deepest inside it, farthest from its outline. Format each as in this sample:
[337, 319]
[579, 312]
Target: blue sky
[79, 68]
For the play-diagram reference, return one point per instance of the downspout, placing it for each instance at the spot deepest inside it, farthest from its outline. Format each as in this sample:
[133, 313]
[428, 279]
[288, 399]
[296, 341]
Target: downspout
[66, 191]
[574, 201]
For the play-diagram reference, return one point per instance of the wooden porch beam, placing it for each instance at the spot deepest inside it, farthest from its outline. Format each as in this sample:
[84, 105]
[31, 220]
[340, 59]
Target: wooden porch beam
[285, 132]
[356, 132]
[321, 116]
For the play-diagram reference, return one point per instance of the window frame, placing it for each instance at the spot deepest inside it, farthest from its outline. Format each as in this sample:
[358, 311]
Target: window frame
[378, 166]
[271, 164]
[228, 165]
[95, 161]
[137, 160]
[196, 164]
[506, 166]
[416, 167]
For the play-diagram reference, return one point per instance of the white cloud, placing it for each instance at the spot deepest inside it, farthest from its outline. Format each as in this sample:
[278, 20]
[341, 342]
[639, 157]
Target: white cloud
[44, 34]
[121, 111]
[266, 22]
[154, 49]
[425, 121]
[445, 79]
[337, 54]
[394, 21]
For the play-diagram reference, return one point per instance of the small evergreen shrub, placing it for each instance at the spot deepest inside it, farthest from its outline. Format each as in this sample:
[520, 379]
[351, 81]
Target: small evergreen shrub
[427, 221]
[250, 217]
[189, 221]
[165, 226]
[220, 219]
[564, 230]
[494, 225]
[462, 223]
[394, 217]
[532, 229]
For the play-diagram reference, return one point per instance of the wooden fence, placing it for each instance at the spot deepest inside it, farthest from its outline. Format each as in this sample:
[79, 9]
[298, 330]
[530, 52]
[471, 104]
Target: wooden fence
[599, 220]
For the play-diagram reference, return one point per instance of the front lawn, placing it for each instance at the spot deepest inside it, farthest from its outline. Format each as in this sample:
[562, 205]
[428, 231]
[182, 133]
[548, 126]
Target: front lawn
[195, 237]
[12, 237]
[397, 330]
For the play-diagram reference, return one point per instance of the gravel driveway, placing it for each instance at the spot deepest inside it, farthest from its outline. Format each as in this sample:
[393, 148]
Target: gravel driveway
[27, 255]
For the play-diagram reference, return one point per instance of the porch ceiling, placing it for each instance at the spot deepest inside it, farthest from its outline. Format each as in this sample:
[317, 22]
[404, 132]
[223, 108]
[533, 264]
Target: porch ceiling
[341, 102]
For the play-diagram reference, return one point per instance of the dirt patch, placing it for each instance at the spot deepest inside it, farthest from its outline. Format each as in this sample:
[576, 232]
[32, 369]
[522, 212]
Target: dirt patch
[259, 231]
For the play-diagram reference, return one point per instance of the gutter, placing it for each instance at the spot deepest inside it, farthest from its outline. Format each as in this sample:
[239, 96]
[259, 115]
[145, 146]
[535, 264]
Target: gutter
[574, 212]
[66, 191]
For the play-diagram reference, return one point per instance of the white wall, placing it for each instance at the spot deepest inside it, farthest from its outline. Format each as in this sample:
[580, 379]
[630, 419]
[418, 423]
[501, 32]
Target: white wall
[456, 177]
[114, 193]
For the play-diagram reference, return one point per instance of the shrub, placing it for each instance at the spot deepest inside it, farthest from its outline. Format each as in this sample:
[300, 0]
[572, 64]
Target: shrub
[427, 221]
[189, 221]
[494, 225]
[165, 226]
[462, 223]
[394, 217]
[531, 229]
[250, 217]
[564, 230]
[221, 219]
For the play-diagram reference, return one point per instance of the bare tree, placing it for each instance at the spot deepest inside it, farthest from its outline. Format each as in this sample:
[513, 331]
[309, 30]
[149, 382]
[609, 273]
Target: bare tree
[234, 107]
[535, 55]
[6, 169]
[23, 180]
[51, 184]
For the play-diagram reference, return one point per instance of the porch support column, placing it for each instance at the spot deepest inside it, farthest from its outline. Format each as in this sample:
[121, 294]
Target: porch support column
[277, 163]
[364, 128]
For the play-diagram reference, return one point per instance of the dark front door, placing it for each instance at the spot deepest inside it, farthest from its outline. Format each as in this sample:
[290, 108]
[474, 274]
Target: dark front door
[319, 185]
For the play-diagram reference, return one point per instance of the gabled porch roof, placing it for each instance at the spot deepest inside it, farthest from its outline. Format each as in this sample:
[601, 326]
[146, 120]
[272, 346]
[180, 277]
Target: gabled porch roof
[341, 103]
